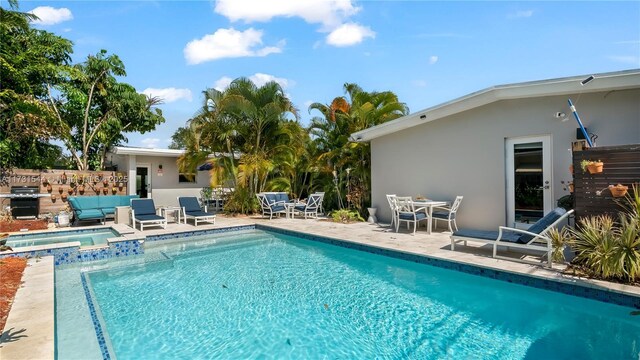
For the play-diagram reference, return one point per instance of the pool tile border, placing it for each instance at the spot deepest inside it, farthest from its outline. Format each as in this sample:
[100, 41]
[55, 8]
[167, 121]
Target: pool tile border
[564, 287]
[97, 325]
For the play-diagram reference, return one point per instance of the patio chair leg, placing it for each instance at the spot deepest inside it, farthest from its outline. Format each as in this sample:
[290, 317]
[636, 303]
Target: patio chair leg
[450, 230]
[415, 225]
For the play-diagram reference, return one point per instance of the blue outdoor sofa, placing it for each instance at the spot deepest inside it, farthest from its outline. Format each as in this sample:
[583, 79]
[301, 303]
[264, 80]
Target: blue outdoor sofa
[97, 207]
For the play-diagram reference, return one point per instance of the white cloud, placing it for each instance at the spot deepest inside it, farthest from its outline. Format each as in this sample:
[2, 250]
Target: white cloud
[169, 94]
[625, 59]
[228, 43]
[150, 142]
[258, 78]
[50, 16]
[329, 13]
[433, 59]
[349, 34]
[520, 14]
[222, 83]
[419, 83]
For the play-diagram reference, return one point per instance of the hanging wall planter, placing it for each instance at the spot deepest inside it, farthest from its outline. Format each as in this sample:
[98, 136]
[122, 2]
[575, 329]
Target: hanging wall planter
[114, 190]
[63, 178]
[81, 189]
[618, 190]
[60, 189]
[594, 167]
[53, 198]
[70, 191]
[49, 188]
[105, 190]
[64, 197]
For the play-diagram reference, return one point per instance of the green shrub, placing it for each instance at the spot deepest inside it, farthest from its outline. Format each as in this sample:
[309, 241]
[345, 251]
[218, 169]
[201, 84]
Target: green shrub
[346, 216]
[241, 201]
[560, 239]
[608, 249]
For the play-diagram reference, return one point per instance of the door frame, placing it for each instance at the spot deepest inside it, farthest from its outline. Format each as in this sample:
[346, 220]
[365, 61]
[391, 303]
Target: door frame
[149, 185]
[547, 171]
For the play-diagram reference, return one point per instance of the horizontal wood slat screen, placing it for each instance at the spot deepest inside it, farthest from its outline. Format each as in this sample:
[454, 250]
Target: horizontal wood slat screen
[621, 166]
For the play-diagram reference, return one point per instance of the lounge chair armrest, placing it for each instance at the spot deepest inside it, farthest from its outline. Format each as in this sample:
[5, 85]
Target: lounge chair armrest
[535, 236]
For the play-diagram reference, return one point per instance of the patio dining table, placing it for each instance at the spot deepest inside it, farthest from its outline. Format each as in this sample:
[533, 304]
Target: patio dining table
[428, 206]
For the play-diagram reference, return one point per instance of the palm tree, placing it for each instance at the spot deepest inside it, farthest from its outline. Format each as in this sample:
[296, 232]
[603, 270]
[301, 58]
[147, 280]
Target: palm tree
[351, 160]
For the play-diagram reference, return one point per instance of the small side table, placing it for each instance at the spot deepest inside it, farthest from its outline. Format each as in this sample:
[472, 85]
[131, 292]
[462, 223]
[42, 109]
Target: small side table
[123, 215]
[175, 209]
[289, 210]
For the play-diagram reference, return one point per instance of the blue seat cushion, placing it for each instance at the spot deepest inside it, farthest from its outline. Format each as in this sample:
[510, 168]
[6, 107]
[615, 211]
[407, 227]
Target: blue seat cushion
[282, 197]
[88, 202]
[543, 223]
[271, 198]
[300, 207]
[409, 216]
[443, 215]
[488, 235]
[143, 207]
[198, 213]
[108, 211]
[90, 214]
[108, 201]
[276, 208]
[149, 217]
[189, 203]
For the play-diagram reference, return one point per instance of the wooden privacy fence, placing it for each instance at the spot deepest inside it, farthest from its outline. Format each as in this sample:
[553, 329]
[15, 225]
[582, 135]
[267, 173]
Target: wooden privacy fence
[592, 193]
[55, 186]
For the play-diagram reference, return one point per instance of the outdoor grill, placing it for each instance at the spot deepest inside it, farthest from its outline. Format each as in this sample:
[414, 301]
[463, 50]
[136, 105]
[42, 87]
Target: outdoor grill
[24, 201]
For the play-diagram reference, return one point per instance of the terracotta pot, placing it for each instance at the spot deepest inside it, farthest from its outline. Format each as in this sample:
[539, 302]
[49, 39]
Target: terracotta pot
[81, 189]
[63, 178]
[618, 190]
[53, 197]
[114, 191]
[571, 169]
[70, 191]
[120, 186]
[105, 182]
[595, 167]
[60, 189]
[105, 190]
[571, 188]
[64, 197]
[49, 188]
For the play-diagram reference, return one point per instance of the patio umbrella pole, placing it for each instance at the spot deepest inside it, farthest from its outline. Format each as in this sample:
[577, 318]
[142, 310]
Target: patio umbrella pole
[584, 131]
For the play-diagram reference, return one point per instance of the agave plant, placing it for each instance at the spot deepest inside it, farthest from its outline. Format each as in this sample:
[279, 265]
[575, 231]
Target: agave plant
[595, 243]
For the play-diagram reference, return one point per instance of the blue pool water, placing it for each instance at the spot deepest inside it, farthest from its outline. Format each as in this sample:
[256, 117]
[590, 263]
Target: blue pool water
[262, 295]
[93, 237]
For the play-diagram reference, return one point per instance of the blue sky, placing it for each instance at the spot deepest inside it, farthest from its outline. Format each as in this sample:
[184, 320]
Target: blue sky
[427, 52]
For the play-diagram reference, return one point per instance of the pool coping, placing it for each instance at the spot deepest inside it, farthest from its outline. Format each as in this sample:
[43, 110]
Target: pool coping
[32, 315]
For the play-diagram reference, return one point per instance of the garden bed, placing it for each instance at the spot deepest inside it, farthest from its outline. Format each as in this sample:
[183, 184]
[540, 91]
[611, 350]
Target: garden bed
[11, 270]
[17, 225]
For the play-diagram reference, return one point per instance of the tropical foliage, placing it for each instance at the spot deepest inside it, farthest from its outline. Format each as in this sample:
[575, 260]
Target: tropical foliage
[29, 59]
[607, 248]
[259, 144]
[44, 97]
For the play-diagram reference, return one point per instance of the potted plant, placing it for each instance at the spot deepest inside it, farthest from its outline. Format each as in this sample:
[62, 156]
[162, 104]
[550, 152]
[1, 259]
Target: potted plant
[49, 188]
[63, 178]
[114, 190]
[618, 190]
[105, 182]
[570, 186]
[64, 197]
[60, 189]
[594, 167]
[63, 219]
[53, 198]
[105, 190]
[120, 185]
[70, 191]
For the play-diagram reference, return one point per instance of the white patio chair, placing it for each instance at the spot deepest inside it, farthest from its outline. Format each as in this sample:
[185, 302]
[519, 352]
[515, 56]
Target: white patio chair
[320, 208]
[447, 214]
[391, 198]
[407, 212]
[310, 208]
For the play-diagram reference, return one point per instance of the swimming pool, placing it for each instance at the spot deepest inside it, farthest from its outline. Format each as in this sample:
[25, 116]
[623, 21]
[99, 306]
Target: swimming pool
[85, 237]
[259, 294]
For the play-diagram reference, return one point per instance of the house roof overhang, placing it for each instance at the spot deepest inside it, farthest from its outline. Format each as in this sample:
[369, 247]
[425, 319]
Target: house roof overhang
[619, 80]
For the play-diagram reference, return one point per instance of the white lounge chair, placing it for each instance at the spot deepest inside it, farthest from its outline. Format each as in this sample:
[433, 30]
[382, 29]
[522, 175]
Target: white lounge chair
[447, 214]
[534, 238]
[143, 212]
[191, 210]
[391, 199]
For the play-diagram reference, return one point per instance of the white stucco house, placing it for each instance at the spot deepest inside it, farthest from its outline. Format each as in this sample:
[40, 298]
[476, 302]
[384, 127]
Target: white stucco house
[154, 174]
[506, 149]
